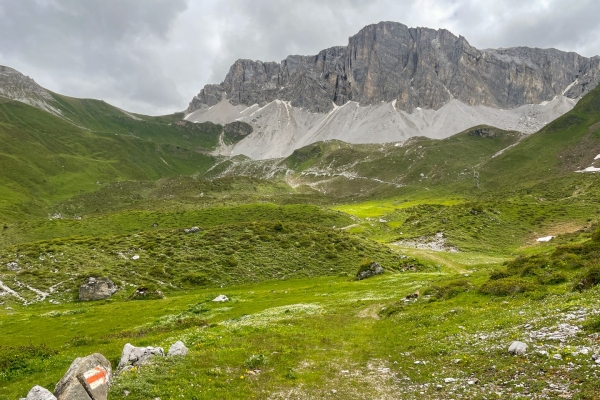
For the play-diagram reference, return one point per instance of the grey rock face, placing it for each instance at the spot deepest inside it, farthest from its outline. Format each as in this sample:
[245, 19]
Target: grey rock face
[370, 271]
[16, 86]
[134, 356]
[517, 348]
[39, 393]
[178, 349]
[417, 67]
[97, 289]
[88, 378]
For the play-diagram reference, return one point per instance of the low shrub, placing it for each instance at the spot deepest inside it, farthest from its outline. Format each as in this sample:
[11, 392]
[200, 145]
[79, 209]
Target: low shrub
[507, 286]
[588, 279]
[449, 289]
[256, 361]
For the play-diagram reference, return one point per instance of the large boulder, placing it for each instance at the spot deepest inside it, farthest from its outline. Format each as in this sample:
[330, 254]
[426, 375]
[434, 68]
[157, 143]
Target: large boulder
[135, 356]
[88, 378]
[39, 393]
[369, 270]
[178, 349]
[96, 289]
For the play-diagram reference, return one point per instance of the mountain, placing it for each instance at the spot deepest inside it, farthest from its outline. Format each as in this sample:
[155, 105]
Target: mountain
[391, 83]
[54, 147]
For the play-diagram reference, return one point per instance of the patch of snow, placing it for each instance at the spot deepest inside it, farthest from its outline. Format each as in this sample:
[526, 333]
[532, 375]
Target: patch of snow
[590, 169]
[545, 239]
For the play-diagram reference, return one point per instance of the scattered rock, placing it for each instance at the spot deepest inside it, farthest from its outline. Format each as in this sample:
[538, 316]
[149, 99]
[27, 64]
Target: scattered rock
[221, 298]
[135, 356]
[97, 289]
[193, 229]
[87, 378]
[178, 349]
[473, 381]
[414, 295]
[449, 380]
[369, 270]
[145, 293]
[557, 357]
[13, 266]
[135, 257]
[39, 393]
[517, 348]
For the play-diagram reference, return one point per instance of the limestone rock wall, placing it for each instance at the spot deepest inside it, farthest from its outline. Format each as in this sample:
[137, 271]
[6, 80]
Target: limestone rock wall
[415, 67]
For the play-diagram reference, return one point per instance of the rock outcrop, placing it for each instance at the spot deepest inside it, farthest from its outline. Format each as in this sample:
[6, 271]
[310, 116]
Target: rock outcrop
[88, 378]
[97, 289]
[415, 67]
[391, 83]
[135, 356]
[16, 86]
[370, 270]
[178, 349]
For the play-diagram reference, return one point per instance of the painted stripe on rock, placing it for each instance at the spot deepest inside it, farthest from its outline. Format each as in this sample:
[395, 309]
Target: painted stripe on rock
[96, 377]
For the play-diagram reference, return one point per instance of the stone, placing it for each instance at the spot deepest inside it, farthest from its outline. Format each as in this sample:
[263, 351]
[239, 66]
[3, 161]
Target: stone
[221, 299]
[97, 289]
[145, 293]
[39, 393]
[88, 378]
[135, 356]
[193, 229]
[557, 357]
[517, 348]
[449, 380]
[178, 349]
[367, 272]
[12, 266]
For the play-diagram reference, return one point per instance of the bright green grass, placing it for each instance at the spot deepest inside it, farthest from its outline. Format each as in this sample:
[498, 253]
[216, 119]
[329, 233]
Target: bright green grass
[379, 208]
[310, 331]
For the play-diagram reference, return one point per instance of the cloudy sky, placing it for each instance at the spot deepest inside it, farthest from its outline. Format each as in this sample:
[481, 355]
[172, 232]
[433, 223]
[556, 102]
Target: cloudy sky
[153, 56]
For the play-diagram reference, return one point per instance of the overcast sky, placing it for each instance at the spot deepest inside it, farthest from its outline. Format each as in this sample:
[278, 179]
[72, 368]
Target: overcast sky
[153, 56]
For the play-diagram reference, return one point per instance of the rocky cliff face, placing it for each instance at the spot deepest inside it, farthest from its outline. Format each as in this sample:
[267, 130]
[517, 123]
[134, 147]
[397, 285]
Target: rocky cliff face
[412, 67]
[16, 86]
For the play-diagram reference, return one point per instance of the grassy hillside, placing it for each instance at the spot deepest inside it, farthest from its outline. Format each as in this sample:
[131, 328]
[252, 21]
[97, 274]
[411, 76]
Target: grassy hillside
[44, 158]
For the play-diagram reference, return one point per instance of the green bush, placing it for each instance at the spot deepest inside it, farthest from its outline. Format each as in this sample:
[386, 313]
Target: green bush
[196, 278]
[588, 279]
[256, 361]
[448, 290]
[553, 278]
[498, 274]
[507, 286]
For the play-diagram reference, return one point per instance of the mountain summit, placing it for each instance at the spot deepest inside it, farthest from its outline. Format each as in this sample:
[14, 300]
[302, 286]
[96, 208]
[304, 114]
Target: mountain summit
[436, 83]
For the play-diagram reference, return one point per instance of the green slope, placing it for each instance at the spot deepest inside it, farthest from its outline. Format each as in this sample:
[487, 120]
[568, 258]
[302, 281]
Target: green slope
[44, 158]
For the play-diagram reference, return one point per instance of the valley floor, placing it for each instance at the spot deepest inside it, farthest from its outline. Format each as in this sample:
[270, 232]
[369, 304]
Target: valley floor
[324, 337]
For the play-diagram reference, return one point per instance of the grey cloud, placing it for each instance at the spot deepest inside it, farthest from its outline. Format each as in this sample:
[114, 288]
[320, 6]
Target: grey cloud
[152, 56]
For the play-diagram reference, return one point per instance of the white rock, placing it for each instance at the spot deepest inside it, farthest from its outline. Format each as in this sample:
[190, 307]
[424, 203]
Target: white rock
[135, 257]
[178, 349]
[221, 298]
[134, 356]
[449, 380]
[517, 348]
[39, 393]
[557, 357]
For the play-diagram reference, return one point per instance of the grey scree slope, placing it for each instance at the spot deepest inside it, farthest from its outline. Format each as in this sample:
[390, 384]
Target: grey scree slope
[391, 83]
